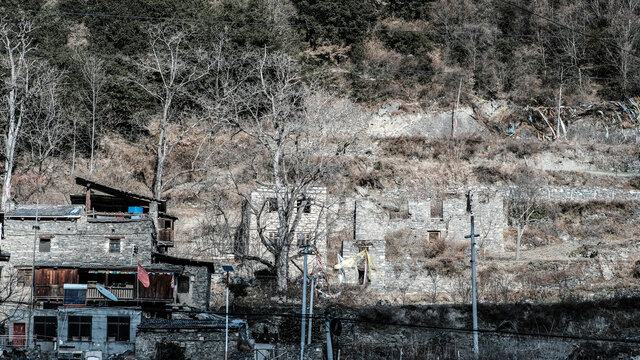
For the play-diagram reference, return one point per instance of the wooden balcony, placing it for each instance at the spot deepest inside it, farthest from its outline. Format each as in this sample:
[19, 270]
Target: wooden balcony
[55, 293]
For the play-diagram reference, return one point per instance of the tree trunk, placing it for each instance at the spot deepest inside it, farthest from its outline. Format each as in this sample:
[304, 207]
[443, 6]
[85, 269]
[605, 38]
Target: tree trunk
[519, 237]
[282, 268]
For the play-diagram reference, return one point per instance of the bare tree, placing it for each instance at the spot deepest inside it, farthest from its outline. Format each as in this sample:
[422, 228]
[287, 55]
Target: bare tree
[301, 133]
[45, 125]
[524, 199]
[171, 66]
[23, 79]
[94, 77]
[625, 26]
[14, 294]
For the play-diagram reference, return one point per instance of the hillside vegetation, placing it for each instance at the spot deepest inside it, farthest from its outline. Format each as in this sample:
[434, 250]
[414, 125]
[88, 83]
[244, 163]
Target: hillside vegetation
[202, 101]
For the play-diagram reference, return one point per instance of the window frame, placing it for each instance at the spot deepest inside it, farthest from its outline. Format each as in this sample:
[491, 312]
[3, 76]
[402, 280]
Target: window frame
[184, 279]
[49, 327]
[113, 241]
[121, 326]
[81, 324]
[307, 207]
[272, 204]
[24, 277]
[429, 232]
[42, 241]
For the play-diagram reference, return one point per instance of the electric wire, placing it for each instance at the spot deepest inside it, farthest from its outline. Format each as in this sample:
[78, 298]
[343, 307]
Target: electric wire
[296, 315]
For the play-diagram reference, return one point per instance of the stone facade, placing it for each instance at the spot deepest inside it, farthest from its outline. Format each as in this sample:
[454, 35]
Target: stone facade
[195, 344]
[69, 246]
[80, 241]
[311, 227]
[376, 227]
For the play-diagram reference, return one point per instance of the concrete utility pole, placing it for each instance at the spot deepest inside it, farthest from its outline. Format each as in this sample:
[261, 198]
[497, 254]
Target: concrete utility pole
[305, 249]
[313, 278]
[227, 269]
[327, 331]
[36, 227]
[474, 299]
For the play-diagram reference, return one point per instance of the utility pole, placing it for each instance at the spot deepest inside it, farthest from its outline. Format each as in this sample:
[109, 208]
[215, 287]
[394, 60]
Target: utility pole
[327, 331]
[474, 299]
[313, 278]
[305, 249]
[227, 269]
[36, 227]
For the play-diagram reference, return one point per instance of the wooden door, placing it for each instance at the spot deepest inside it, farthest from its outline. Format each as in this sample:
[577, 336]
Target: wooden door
[19, 332]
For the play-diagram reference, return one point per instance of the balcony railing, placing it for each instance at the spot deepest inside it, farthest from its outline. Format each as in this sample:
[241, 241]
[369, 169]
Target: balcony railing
[128, 292]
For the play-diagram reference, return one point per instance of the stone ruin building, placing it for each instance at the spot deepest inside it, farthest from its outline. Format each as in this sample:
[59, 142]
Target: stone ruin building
[342, 228]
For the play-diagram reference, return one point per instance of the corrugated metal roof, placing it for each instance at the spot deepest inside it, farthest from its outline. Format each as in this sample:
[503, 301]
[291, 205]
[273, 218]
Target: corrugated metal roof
[45, 211]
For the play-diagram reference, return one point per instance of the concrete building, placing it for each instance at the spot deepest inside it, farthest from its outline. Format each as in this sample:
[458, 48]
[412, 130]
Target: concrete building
[68, 260]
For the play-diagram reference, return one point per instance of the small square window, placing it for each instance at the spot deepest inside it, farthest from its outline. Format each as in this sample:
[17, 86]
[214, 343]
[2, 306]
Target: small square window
[79, 328]
[45, 245]
[303, 239]
[24, 277]
[433, 236]
[306, 209]
[272, 204]
[45, 328]
[114, 245]
[118, 328]
[183, 284]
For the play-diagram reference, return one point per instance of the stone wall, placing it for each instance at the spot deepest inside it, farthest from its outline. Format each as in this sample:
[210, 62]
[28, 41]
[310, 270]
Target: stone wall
[312, 225]
[376, 226]
[194, 343]
[199, 289]
[80, 242]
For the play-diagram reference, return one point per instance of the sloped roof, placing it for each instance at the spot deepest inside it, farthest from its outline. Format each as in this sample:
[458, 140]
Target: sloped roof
[113, 191]
[164, 258]
[46, 211]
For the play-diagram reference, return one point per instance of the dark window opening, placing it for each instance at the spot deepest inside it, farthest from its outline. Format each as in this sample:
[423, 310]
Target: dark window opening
[433, 236]
[307, 205]
[166, 224]
[114, 245]
[118, 328]
[79, 328]
[304, 239]
[361, 277]
[45, 245]
[272, 204]
[436, 208]
[45, 328]
[183, 284]
[24, 277]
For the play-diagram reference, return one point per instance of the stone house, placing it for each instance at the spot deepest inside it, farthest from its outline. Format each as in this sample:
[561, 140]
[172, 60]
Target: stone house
[64, 257]
[311, 206]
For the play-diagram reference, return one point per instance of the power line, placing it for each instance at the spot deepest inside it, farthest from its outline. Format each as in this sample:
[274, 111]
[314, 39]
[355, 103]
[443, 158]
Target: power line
[497, 332]
[297, 315]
